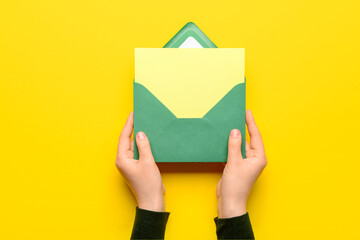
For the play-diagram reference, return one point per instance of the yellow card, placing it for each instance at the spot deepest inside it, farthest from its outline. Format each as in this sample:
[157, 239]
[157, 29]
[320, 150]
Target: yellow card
[189, 81]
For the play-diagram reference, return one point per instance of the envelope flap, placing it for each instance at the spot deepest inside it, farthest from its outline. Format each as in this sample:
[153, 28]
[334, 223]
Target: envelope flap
[229, 113]
[150, 115]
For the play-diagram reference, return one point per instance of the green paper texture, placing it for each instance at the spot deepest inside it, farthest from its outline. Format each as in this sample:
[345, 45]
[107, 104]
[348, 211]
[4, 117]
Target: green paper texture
[175, 139]
[190, 30]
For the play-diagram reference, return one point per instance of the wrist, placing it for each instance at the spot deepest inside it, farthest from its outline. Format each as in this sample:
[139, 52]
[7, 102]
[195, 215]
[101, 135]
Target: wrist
[155, 204]
[227, 209]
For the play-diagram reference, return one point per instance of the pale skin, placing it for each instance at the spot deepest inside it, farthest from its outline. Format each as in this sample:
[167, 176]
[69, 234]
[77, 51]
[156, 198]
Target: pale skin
[239, 175]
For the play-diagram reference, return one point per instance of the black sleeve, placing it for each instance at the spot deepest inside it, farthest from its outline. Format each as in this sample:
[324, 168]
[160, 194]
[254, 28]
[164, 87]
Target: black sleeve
[234, 228]
[149, 224]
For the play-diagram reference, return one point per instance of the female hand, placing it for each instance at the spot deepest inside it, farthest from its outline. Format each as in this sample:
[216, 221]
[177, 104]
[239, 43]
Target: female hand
[240, 174]
[143, 175]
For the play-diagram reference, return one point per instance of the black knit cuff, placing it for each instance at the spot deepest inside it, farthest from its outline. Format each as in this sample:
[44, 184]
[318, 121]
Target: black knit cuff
[234, 228]
[149, 224]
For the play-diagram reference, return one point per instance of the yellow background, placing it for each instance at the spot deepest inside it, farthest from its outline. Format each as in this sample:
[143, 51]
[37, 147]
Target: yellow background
[66, 71]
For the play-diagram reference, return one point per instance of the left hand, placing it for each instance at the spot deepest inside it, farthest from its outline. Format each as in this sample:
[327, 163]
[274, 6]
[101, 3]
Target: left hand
[143, 175]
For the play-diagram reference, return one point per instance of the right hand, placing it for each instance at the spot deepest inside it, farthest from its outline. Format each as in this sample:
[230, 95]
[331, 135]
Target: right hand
[240, 174]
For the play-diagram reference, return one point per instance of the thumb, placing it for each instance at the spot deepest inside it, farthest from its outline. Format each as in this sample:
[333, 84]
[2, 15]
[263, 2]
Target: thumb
[143, 145]
[234, 146]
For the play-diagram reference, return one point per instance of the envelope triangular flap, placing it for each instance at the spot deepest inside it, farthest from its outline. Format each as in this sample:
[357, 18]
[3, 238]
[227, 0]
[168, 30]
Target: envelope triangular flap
[229, 113]
[148, 108]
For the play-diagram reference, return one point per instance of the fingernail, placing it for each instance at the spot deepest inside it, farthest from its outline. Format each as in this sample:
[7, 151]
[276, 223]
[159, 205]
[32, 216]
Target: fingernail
[235, 133]
[141, 135]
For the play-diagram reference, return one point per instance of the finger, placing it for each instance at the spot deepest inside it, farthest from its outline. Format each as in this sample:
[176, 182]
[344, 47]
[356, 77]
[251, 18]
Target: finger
[256, 142]
[124, 140]
[234, 145]
[132, 145]
[143, 145]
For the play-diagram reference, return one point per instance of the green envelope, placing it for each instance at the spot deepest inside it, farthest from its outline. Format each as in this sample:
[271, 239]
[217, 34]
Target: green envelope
[174, 138]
